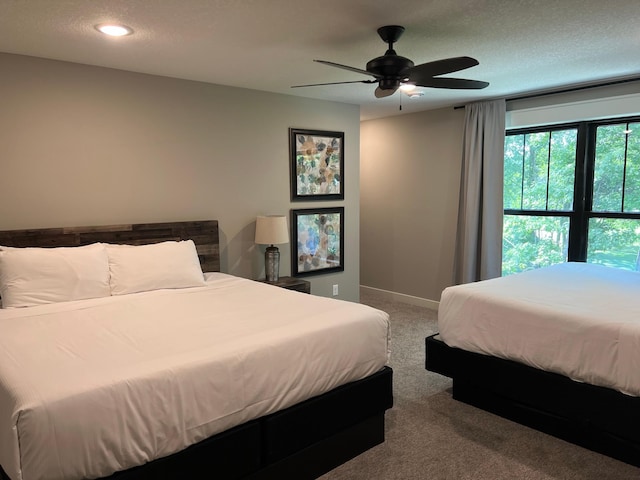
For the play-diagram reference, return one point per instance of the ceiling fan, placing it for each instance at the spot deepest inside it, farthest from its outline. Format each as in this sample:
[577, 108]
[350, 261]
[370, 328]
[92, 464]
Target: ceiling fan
[390, 71]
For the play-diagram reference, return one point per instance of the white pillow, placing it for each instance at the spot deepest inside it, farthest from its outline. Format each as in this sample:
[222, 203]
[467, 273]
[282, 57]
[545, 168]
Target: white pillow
[34, 276]
[142, 268]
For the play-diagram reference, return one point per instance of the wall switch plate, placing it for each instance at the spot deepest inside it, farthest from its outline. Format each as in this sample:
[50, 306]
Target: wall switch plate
[335, 290]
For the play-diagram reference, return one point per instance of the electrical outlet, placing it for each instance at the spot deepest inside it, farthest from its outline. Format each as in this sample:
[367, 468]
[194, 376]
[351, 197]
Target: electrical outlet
[335, 290]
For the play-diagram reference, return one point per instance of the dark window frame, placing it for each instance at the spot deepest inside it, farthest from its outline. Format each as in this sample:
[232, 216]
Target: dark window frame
[582, 210]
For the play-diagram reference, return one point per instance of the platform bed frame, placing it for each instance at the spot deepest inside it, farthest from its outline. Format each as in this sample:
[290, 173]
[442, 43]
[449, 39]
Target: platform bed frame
[598, 418]
[303, 441]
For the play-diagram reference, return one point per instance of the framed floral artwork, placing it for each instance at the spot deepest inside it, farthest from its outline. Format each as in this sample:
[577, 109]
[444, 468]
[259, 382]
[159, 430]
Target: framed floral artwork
[317, 243]
[317, 164]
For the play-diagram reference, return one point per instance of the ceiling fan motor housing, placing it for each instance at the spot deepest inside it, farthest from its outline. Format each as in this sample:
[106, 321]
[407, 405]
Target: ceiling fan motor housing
[388, 69]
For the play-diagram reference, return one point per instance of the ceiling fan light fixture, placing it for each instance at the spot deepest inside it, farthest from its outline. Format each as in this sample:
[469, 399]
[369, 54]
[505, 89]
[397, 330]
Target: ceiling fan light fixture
[407, 87]
[114, 30]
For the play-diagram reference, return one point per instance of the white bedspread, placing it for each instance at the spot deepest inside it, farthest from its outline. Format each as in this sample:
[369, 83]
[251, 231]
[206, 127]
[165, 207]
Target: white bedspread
[580, 320]
[94, 386]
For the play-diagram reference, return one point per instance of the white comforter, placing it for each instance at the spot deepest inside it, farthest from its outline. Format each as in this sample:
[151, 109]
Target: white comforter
[580, 320]
[94, 386]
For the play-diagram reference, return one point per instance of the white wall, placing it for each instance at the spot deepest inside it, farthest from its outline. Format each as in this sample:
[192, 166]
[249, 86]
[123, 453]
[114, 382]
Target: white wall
[610, 101]
[410, 177]
[83, 145]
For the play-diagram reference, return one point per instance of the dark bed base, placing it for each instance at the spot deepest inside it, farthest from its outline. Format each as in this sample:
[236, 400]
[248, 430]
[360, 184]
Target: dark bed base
[301, 442]
[597, 418]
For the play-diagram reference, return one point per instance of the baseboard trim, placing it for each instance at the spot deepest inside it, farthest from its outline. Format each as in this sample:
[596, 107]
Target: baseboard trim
[402, 297]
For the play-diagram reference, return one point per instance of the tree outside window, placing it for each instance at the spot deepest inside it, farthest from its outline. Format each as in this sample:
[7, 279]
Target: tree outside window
[572, 193]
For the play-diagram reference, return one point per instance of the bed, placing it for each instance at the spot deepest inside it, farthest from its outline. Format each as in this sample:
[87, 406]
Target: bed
[557, 349]
[156, 370]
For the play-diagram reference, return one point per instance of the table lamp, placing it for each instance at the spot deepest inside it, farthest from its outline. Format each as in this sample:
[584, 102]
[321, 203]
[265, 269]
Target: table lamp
[270, 230]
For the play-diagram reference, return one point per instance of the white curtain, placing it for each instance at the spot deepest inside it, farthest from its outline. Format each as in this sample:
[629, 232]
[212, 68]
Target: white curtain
[479, 236]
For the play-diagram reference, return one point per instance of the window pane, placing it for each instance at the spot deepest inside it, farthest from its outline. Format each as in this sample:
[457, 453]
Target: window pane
[532, 242]
[632, 182]
[562, 170]
[536, 166]
[614, 242]
[513, 158]
[609, 168]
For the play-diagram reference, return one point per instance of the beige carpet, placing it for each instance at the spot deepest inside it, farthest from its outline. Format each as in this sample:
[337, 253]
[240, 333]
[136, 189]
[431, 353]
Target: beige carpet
[431, 436]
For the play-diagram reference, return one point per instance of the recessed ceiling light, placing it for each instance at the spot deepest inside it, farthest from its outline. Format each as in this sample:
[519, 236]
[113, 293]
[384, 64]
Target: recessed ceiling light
[114, 30]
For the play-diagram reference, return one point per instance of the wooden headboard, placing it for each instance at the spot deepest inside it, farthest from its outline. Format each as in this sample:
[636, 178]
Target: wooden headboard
[203, 233]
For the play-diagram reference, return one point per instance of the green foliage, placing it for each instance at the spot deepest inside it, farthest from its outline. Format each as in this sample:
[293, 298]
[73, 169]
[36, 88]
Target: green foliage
[614, 242]
[542, 166]
[632, 183]
[609, 169]
[562, 171]
[530, 242]
[617, 164]
[539, 174]
[513, 153]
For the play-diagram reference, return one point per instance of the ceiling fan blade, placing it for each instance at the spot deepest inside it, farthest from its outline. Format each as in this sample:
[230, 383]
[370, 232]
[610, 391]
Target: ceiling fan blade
[453, 83]
[425, 71]
[380, 93]
[346, 67]
[333, 83]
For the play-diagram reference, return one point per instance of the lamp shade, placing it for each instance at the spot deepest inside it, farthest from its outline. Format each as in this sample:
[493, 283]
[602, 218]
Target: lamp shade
[272, 229]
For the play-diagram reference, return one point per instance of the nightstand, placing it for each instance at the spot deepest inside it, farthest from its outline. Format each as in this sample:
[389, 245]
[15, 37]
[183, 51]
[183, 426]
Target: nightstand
[291, 283]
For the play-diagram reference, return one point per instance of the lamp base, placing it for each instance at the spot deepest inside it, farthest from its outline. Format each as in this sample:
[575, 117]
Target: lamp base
[272, 263]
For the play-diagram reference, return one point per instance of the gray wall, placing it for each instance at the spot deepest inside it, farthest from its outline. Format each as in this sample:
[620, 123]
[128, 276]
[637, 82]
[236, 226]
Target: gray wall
[410, 177]
[83, 145]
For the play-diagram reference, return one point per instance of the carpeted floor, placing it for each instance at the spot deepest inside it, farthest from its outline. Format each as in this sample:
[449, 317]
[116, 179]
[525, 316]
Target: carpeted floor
[431, 436]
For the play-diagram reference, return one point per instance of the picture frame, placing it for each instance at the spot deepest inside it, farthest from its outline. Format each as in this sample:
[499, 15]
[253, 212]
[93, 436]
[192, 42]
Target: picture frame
[316, 164]
[317, 240]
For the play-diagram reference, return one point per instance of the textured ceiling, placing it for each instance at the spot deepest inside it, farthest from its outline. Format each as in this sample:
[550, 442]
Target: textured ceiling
[522, 46]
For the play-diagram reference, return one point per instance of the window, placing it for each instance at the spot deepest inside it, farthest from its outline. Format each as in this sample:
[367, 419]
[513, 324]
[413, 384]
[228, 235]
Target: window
[572, 193]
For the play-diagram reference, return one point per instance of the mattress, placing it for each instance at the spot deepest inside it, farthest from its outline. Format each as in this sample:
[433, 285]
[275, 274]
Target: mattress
[94, 386]
[576, 319]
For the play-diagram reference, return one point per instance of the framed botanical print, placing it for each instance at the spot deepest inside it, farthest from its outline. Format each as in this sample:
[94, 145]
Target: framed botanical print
[317, 243]
[317, 164]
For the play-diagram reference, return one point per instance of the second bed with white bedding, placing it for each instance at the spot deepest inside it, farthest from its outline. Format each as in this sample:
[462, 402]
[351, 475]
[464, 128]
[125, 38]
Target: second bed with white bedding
[580, 320]
[94, 386]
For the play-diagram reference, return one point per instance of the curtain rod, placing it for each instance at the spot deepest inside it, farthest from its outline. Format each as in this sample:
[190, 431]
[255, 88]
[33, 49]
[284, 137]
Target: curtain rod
[565, 90]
